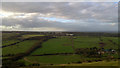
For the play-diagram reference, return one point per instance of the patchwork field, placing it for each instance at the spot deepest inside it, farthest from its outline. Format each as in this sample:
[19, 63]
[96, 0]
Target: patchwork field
[61, 50]
[64, 44]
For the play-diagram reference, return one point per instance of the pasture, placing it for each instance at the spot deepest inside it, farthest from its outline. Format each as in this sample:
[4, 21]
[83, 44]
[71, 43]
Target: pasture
[18, 48]
[60, 59]
[7, 36]
[31, 35]
[7, 42]
[58, 45]
[100, 63]
[86, 42]
[64, 44]
[60, 50]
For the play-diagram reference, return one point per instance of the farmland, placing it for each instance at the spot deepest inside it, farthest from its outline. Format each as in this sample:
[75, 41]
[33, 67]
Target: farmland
[28, 36]
[59, 48]
[7, 42]
[18, 48]
[101, 63]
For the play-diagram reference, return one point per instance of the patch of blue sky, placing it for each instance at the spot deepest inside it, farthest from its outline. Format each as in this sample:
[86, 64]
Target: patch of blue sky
[57, 19]
[116, 2]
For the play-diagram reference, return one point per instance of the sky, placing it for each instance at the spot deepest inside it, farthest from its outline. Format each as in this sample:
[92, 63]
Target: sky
[59, 16]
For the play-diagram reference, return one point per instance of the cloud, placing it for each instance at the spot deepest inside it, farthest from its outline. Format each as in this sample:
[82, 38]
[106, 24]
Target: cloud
[66, 16]
[61, 1]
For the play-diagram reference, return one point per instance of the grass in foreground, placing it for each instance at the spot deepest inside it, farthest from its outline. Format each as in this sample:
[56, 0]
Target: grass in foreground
[59, 59]
[100, 63]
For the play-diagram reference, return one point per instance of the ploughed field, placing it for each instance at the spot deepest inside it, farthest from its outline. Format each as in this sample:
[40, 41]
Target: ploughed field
[70, 50]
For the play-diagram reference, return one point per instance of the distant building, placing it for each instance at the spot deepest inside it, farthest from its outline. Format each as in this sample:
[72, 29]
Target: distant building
[69, 34]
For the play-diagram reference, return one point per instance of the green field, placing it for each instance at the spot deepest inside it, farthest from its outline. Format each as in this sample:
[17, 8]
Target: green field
[8, 35]
[58, 45]
[18, 48]
[69, 60]
[101, 63]
[59, 59]
[64, 45]
[32, 35]
[7, 42]
[86, 42]
[110, 44]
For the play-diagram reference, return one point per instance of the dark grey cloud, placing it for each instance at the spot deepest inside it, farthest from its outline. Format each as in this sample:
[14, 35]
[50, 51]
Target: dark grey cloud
[88, 16]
